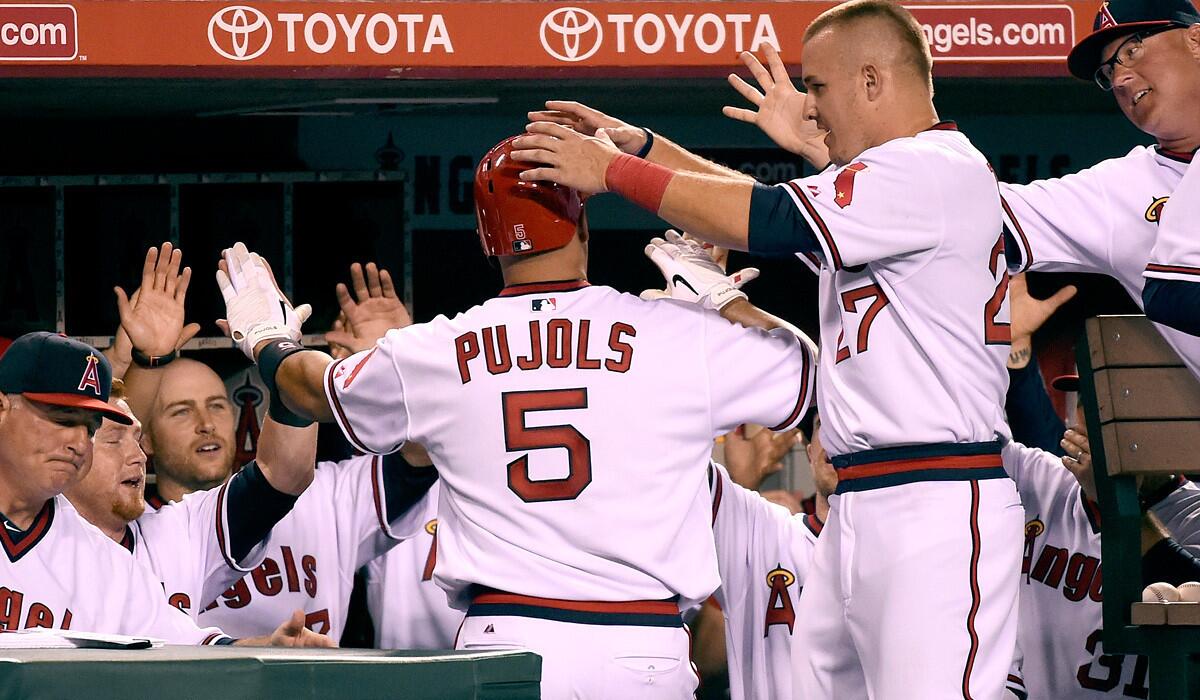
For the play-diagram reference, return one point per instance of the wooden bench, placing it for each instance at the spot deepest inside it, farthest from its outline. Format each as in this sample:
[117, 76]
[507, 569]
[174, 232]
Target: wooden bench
[1142, 407]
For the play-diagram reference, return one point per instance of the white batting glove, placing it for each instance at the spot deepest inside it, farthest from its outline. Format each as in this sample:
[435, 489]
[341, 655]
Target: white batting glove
[692, 275]
[255, 309]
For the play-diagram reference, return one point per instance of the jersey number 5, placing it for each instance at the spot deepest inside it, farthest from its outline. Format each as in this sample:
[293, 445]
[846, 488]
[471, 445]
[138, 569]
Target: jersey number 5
[519, 437]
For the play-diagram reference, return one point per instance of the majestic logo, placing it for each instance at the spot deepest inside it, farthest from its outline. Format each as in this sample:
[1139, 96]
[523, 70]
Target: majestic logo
[1154, 212]
[40, 32]
[91, 376]
[779, 605]
[245, 33]
[571, 34]
[843, 185]
[1104, 18]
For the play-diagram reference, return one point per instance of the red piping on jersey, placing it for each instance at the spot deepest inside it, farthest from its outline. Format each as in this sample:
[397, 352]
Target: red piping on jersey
[974, 575]
[36, 531]
[1093, 512]
[1020, 234]
[127, 539]
[718, 490]
[900, 466]
[211, 638]
[821, 227]
[1173, 269]
[513, 290]
[337, 406]
[801, 400]
[377, 495]
[221, 527]
[639, 607]
[944, 125]
[814, 523]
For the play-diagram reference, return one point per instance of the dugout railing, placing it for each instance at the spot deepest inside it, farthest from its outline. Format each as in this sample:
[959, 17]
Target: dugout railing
[1142, 407]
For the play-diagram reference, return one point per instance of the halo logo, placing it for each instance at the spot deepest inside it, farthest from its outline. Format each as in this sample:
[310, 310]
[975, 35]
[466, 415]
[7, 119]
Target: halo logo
[242, 28]
[572, 28]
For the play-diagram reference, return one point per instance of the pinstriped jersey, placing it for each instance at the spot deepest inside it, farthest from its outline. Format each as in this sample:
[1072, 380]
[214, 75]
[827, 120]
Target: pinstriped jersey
[336, 526]
[571, 427]
[1059, 630]
[65, 574]
[409, 610]
[763, 553]
[1104, 219]
[1176, 253]
[186, 544]
[913, 294]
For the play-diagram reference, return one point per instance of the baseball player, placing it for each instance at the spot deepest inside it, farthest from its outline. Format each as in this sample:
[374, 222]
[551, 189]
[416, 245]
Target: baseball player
[407, 607]
[58, 571]
[910, 211]
[1062, 655]
[550, 534]
[764, 555]
[1174, 266]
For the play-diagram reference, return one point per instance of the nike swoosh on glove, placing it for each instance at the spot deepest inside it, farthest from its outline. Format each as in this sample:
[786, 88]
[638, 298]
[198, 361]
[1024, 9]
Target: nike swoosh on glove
[255, 309]
[692, 275]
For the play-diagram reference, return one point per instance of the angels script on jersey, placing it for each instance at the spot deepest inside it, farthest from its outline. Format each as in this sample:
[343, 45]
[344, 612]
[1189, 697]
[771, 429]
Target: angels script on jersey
[558, 343]
[12, 609]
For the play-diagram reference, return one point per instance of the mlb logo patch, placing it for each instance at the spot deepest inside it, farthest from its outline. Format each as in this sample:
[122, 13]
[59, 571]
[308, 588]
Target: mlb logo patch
[543, 304]
[522, 246]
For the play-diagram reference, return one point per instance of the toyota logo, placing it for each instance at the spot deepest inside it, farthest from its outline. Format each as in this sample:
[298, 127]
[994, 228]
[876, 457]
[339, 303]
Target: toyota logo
[572, 29]
[245, 33]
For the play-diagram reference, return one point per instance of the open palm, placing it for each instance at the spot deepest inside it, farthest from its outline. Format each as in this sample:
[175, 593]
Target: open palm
[153, 318]
[780, 113]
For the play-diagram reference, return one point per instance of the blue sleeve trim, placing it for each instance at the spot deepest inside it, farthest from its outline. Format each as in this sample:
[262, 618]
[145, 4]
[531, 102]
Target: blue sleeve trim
[254, 508]
[404, 484]
[1031, 416]
[776, 227]
[1173, 303]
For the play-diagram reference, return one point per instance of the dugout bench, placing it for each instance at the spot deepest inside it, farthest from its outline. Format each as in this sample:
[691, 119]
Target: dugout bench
[1142, 407]
[265, 673]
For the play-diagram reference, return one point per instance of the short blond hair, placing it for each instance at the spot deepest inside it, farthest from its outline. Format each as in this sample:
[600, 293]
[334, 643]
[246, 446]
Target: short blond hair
[907, 29]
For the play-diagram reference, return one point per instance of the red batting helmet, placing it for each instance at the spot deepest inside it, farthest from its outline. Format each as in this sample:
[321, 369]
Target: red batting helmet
[517, 217]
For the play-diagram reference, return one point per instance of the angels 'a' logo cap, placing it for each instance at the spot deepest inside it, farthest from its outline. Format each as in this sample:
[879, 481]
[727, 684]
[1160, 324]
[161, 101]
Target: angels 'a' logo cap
[1117, 18]
[54, 369]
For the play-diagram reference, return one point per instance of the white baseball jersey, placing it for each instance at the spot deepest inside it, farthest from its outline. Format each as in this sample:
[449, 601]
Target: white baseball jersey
[63, 573]
[913, 294]
[186, 544]
[1060, 622]
[408, 609]
[1104, 219]
[571, 426]
[763, 553]
[337, 525]
[1176, 253]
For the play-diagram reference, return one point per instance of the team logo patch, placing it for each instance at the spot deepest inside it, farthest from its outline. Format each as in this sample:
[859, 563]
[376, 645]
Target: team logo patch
[91, 376]
[538, 305]
[1034, 528]
[779, 605]
[357, 369]
[1104, 18]
[1154, 212]
[431, 527]
[843, 185]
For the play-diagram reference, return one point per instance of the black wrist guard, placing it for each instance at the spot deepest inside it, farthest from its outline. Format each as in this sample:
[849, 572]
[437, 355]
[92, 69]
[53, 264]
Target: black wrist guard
[645, 150]
[141, 359]
[269, 359]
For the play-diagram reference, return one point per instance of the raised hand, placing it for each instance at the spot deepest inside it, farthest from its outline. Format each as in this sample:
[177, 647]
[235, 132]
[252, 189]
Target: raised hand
[1028, 314]
[567, 157]
[374, 309]
[752, 459]
[1078, 461]
[585, 120]
[256, 309]
[780, 108]
[153, 318]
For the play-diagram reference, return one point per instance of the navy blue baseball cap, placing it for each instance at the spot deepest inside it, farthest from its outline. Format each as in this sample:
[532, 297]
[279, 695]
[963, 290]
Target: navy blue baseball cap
[54, 369]
[1118, 18]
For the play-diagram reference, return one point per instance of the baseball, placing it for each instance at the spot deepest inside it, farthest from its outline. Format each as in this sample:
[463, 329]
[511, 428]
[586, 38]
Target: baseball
[1189, 592]
[1161, 592]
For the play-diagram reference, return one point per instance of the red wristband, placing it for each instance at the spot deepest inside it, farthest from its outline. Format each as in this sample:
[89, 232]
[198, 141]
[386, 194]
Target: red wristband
[639, 181]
